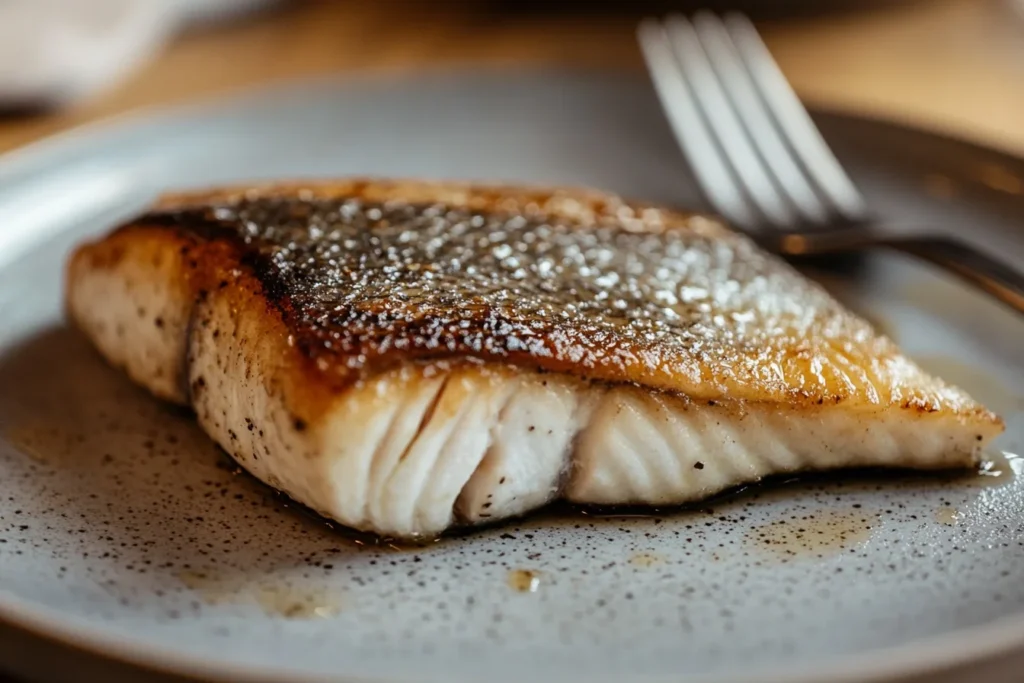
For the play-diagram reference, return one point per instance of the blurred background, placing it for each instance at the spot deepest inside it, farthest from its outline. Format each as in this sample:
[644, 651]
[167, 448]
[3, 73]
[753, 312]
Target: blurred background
[952, 65]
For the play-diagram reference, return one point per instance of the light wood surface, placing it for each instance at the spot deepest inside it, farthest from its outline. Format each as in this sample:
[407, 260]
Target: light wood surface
[955, 65]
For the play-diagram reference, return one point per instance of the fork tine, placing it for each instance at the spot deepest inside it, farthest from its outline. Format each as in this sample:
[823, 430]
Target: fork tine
[793, 119]
[730, 134]
[738, 85]
[690, 131]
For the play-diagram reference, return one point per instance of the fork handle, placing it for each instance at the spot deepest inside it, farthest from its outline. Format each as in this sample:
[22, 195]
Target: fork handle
[998, 279]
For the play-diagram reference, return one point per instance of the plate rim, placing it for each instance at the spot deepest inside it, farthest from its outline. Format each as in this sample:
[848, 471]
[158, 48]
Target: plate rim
[973, 645]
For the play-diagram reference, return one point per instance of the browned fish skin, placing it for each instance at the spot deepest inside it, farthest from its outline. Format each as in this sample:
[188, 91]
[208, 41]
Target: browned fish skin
[586, 285]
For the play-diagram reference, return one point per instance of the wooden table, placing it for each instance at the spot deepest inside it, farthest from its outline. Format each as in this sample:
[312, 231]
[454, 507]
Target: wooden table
[955, 65]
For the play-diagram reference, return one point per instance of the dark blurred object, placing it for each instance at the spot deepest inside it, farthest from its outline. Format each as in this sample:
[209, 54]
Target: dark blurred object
[760, 9]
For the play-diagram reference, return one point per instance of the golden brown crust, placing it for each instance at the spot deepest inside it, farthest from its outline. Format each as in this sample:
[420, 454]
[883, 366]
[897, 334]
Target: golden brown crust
[192, 268]
[576, 204]
[754, 331]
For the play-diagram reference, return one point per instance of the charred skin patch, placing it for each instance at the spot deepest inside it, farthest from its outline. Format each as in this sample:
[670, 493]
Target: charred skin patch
[614, 293]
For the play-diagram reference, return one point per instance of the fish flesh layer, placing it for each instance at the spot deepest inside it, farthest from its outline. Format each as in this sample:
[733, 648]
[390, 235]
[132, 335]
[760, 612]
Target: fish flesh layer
[404, 357]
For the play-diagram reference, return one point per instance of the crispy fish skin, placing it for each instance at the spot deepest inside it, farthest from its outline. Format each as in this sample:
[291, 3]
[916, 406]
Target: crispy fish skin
[405, 356]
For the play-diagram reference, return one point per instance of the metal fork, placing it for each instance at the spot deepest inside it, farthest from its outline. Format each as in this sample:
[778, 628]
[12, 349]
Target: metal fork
[762, 163]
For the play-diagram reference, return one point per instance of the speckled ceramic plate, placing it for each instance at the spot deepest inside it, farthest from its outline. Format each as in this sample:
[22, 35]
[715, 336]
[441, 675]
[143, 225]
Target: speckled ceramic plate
[127, 543]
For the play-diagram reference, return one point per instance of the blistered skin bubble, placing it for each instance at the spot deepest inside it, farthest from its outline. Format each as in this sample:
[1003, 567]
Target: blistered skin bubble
[621, 296]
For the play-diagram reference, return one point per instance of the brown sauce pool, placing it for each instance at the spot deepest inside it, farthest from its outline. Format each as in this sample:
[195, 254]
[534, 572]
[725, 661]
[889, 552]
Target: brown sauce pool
[818, 534]
[277, 597]
[524, 580]
[949, 516]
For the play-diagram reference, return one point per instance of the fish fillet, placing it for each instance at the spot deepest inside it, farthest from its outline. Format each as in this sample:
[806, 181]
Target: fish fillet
[404, 357]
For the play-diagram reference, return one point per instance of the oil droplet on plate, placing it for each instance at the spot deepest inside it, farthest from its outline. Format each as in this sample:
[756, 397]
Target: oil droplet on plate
[948, 516]
[998, 469]
[645, 560]
[524, 580]
[816, 535]
[276, 597]
[213, 589]
[295, 603]
[39, 441]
